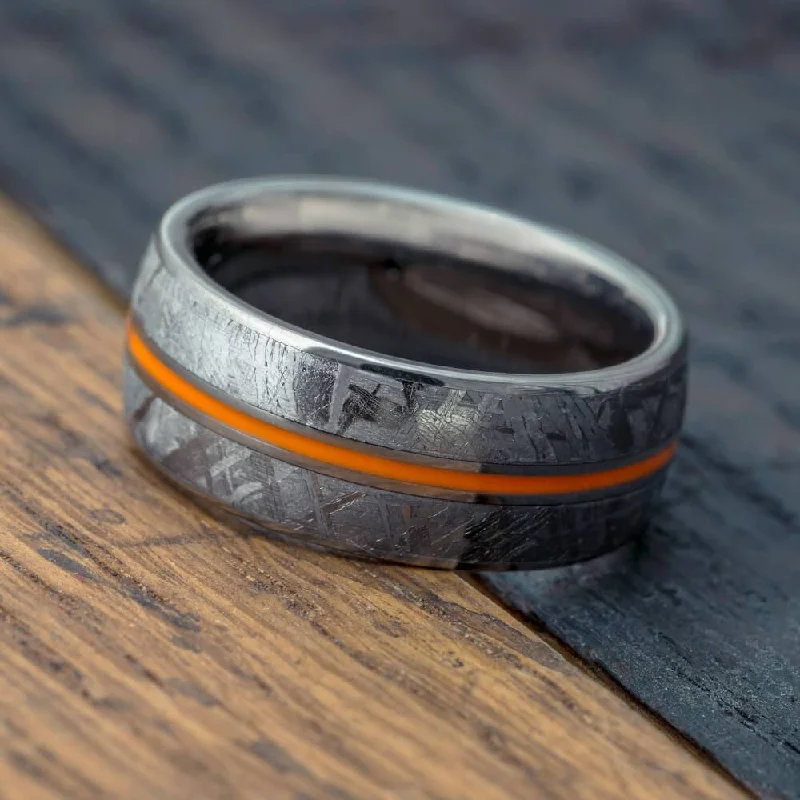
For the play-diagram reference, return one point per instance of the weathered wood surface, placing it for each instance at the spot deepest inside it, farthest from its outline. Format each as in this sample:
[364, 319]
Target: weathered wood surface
[666, 129]
[149, 651]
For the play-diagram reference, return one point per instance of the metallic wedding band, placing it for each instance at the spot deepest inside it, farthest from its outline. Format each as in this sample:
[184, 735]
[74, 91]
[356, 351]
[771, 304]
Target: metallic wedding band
[378, 455]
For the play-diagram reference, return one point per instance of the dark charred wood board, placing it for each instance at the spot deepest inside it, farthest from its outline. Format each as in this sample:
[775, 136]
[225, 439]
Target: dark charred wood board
[668, 130]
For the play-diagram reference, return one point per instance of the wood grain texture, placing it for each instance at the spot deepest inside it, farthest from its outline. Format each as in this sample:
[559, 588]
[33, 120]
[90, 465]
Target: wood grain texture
[147, 650]
[668, 130]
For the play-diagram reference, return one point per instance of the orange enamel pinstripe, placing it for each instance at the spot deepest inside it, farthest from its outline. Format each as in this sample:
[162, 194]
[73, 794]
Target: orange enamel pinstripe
[380, 466]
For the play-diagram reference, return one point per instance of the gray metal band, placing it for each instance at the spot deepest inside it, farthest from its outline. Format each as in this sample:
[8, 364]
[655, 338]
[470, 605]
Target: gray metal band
[348, 518]
[579, 418]
[419, 413]
[352, 476]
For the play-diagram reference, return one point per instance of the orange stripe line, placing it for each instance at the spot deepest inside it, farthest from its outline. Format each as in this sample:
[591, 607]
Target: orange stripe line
[379, 466]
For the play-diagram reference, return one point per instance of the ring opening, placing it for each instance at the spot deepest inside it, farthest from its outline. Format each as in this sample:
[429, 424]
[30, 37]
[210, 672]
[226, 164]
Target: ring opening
[423, 303]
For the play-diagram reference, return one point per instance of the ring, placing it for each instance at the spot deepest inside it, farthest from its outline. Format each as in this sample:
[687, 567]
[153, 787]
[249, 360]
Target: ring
[397, 375]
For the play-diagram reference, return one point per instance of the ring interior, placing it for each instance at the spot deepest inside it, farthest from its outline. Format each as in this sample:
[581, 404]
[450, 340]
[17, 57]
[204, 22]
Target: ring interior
[421, 285]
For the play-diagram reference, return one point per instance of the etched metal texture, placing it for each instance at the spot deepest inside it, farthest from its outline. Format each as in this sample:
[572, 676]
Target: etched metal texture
[406, 411]
[375, 523]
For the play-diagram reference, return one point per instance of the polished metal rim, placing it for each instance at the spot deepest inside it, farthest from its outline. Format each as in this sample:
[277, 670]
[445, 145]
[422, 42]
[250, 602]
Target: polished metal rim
[518, 238]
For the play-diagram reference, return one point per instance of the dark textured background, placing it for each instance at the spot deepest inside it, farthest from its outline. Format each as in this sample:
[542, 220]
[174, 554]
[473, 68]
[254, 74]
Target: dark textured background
[668, 130]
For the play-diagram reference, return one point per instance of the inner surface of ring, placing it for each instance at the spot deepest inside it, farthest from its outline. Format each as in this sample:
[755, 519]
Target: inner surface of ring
[428, 306]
